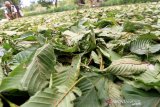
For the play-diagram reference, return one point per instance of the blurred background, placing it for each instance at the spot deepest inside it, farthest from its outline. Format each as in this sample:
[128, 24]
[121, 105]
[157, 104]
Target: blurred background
[36, 7]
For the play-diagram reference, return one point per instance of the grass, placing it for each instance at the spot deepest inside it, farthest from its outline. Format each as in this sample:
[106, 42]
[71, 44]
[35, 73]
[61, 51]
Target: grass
[52, 10]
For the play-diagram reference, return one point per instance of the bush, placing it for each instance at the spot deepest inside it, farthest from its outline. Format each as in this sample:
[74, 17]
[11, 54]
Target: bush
[52, 10]
[65, 8]
[1, 14]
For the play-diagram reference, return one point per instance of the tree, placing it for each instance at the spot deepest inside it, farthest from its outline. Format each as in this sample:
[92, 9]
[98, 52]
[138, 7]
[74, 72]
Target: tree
[48, 3]
[15, 2]
[81, 1]
[55, 2]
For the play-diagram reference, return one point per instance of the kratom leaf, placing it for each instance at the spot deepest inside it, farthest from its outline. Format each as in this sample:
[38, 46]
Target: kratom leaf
[144, 46]
[154, 58]
[39, 70]
[13, 80]
[1, 104]
[139, 97]
[132, 27]
[66, 96]
[42, 99]
[89, 96]
[70, 75]
[63, 85]
[95, 57]
[106, 22]
[48, 98]
[41, 39]
[65, 48]
[149, 77]
[109, 53]
[88, 43]
[96, 87]
[24, 55]
[28, 36]
[154, 48]
[140, 46]
[125, 67]
[112, 33]
[66, 81]
[72, 38]
[108, 92]
[135, 84]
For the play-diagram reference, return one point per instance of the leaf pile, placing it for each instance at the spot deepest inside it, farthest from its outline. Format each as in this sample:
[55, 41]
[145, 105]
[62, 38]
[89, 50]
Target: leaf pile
[104, 57]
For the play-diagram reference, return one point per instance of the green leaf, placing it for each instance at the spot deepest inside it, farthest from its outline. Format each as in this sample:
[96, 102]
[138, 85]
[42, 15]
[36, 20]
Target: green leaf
[132, 27]
[144, 46]
[41, 99]
[135, 84]
[41, 39]
[89, 96]
[150, 77]
[154, 58]
[1, 104]
[67, 79]
[106, 22]
[109, 53]
[72, 38]
[39, 70]
[148, 36]
[154, 48]
[24, 55]
[69, 76]
[125, 67]
[140, 46]
[28, 36]
[49, 98]
[88, 43]
[63, 85]
[107, 90]
[96, 90]
[13, 80]
[64, 48]
[114, 32]
[140, 98]
[95, 57]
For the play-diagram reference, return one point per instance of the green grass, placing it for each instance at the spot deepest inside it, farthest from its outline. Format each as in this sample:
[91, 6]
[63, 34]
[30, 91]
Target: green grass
[52, 10]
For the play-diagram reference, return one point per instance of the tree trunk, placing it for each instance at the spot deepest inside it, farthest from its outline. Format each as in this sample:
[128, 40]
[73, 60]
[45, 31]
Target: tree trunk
[56, 3]
[81, 2]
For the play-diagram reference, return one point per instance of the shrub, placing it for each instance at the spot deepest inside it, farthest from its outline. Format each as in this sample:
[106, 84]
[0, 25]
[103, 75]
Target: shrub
[1, 14]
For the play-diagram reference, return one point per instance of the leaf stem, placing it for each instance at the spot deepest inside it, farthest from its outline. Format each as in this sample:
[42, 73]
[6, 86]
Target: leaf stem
[68, 91]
